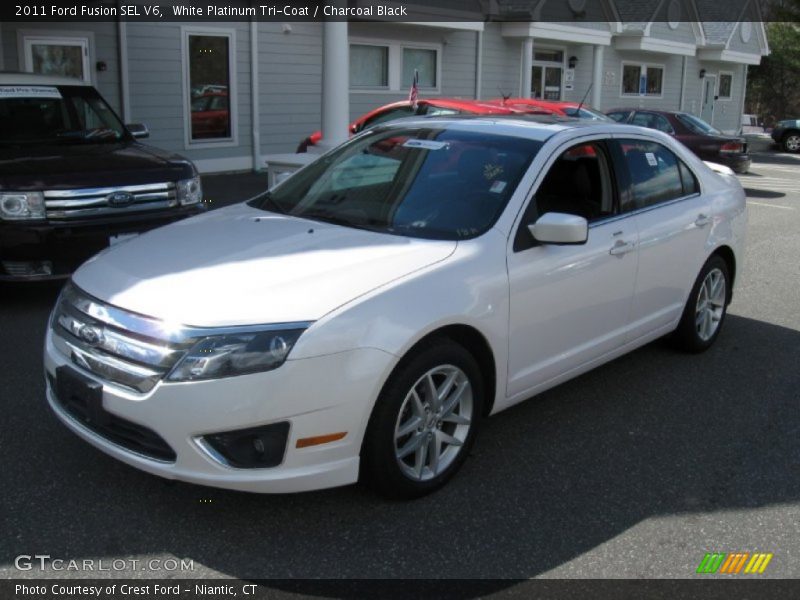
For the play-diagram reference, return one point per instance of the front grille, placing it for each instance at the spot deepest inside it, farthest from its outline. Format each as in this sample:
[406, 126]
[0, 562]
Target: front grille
[134, 437]
[119, 347]
[98, 202]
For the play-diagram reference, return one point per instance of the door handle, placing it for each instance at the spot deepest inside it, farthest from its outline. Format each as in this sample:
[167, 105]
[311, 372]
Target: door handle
[702, 220]
[621, 248]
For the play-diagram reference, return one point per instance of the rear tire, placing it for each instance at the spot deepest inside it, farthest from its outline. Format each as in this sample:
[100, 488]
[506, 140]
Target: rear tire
[424, 422]
[791, 142]
[706, 308]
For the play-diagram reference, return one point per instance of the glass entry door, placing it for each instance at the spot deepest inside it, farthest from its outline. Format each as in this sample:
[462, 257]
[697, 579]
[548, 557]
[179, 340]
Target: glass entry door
[548, 69]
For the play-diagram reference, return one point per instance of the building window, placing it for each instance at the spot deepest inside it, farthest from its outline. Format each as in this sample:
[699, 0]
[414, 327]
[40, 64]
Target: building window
[369, 66]
[725, 86]
[209, 75]
[390, 66]
[642, 80]
[63, 57]
[424, 62]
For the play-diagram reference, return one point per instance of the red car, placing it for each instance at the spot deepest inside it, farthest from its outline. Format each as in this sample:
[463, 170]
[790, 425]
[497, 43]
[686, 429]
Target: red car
[210, 115]
[707, 142]
[437, 106]
[556, 107]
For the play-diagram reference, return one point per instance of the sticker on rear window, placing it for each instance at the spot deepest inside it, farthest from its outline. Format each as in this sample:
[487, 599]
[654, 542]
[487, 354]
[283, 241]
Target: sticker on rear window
[651, 159]
[28, 91]
[425, 144]
[498, 187]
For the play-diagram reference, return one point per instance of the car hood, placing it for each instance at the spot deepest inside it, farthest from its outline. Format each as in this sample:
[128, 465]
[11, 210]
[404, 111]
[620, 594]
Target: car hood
[240, 266]
[26, 167]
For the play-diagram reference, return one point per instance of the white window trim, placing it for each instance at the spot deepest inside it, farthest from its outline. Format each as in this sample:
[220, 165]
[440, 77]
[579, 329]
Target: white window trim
[645, 66]
[396, 66]
[27, 37]
[719, 81]
[233, 140]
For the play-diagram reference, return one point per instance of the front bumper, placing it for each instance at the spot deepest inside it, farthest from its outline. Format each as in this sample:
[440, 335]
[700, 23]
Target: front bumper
[317, 396]
[66, 245]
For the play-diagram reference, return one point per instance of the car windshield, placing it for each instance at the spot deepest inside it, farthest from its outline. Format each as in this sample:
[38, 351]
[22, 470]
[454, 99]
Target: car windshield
[428, 182]
[586, 113]
[56, 114]
[697, 125]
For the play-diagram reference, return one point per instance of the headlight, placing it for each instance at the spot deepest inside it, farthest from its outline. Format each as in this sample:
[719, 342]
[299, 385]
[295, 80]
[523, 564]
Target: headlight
[190, 191]
[21, 205]
[235, 354]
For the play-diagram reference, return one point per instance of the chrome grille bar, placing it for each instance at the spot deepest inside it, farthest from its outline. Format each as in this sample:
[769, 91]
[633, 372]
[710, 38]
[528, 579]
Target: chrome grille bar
[125, 348]
[94, 202]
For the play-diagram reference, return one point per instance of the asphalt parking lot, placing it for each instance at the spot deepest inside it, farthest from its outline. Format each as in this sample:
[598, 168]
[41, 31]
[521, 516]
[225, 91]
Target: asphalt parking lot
[634, 470]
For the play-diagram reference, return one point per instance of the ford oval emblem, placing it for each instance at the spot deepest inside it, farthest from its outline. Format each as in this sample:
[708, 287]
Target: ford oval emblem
[91, 335]
[120, 199]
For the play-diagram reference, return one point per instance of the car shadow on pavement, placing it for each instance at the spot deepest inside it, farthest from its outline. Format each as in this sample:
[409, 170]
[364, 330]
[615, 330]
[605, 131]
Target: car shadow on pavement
[652, 434]
[756, 193]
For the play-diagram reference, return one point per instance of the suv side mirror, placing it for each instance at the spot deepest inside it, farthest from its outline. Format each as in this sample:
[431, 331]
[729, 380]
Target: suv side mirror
[138, 130]
[560, 229]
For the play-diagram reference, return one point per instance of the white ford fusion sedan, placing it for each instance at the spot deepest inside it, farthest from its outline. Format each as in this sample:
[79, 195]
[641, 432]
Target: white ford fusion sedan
[361, 318]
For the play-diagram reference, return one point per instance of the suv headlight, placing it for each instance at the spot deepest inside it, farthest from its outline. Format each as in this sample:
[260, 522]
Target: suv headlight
[190, 191]
[15, 206]
[235, 354]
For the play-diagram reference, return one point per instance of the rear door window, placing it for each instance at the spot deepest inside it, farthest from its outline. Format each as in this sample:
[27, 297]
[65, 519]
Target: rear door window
[654, 173]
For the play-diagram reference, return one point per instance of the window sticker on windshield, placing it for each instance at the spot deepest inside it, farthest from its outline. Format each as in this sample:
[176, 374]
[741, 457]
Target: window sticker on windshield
[498, 187]
[651, 159]
[28, 91]
[425, 144]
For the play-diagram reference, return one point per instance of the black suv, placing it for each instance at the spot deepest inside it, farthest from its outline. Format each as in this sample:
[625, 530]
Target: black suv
[73, 178]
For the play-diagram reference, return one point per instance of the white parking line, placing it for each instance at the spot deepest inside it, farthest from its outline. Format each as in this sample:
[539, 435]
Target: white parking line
[754, 203]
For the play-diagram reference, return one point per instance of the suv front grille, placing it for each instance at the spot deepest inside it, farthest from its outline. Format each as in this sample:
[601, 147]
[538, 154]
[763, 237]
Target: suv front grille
[98, 202]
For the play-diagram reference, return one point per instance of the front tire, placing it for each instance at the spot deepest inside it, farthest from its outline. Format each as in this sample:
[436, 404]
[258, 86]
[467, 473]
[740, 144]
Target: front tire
[706, 307]
[791, 142]
[424, 422]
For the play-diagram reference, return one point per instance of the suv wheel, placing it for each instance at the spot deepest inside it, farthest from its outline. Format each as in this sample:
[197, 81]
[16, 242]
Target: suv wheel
[424, 421]
[791, 142]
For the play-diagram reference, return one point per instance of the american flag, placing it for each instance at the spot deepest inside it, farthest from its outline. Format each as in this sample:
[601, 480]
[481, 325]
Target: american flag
[412, 94]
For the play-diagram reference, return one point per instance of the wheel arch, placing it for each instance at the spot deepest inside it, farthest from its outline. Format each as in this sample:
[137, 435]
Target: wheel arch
[475, 343]
[726, 253]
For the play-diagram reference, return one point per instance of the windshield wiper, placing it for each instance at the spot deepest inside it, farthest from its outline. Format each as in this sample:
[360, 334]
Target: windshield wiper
[266, 198]
[329, 217]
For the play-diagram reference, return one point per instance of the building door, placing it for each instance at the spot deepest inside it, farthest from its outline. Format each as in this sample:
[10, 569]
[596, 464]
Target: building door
[547, 75]
[707, 105]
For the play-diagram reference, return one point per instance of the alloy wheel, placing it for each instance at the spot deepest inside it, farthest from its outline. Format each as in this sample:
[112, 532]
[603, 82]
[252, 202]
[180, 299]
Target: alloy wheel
[434, 422]
[710, 304]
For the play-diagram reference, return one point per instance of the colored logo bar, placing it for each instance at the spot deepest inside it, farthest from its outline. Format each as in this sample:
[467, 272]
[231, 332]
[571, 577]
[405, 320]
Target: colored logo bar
[734, 563]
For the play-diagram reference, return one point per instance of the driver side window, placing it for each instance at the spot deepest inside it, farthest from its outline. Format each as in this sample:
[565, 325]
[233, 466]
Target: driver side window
[578, 183]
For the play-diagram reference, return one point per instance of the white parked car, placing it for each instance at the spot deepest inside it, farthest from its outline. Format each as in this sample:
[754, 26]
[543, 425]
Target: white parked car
[361, 319]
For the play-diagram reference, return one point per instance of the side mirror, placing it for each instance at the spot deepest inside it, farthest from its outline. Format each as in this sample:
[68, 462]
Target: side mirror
[560, 229]
[138, 130]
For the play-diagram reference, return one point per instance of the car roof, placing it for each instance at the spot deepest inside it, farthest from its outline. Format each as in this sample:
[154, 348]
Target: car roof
[19, 78]
[536, 127]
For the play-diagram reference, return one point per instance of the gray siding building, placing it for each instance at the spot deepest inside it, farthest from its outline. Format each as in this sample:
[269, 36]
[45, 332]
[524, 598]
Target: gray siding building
[228, 95]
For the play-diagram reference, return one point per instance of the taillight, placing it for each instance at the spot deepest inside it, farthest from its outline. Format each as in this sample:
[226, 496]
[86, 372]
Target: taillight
[731, 148]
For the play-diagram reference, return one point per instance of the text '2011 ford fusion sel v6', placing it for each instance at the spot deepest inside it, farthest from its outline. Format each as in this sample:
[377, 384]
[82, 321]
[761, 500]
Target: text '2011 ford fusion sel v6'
[360, 319]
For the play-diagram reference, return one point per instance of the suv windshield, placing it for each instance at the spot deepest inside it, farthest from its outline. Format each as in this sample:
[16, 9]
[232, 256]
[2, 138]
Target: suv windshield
[698, 125]
[56, 114]
[429, 182]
